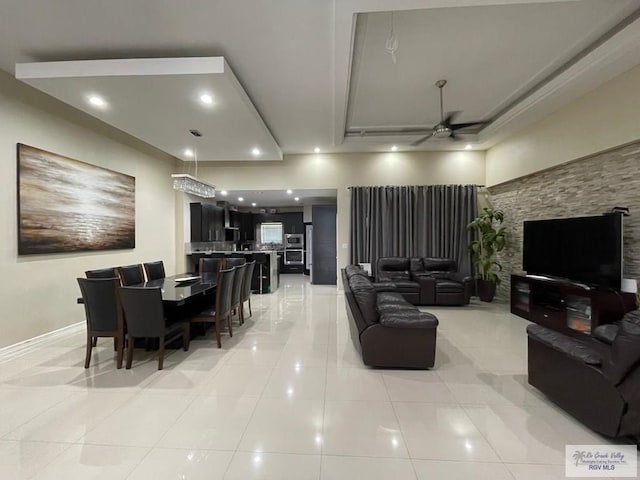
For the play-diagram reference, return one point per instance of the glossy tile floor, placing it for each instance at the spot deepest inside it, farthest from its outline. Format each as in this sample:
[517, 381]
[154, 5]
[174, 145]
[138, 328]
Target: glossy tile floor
[286, 398]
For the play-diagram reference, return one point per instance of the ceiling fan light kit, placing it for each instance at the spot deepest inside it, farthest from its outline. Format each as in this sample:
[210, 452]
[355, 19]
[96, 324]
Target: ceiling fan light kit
[446, 129]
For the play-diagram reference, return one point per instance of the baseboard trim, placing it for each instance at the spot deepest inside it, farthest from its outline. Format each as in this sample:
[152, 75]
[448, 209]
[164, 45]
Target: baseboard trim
[22, 348]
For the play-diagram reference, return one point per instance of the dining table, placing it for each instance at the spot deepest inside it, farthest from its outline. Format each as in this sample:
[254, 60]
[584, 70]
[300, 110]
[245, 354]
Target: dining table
[182, 288]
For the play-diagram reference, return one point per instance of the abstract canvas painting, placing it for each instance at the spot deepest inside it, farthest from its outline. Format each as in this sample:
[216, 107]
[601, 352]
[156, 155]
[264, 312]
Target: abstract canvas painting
[65, 205]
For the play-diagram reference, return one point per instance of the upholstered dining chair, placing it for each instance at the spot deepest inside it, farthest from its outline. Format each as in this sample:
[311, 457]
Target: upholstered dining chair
[236, 291]
[111, 272]
[144, 315]
[103, 313]
[234, 261]
[154, 270]
[210, 265]
[221, 311]
[245, 295]
[131, 275]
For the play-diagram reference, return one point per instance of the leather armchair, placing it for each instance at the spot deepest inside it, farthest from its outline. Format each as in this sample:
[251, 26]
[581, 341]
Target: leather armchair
[594, 378]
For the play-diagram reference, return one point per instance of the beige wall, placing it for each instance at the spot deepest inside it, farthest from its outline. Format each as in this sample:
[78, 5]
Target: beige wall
[340, 171]
[602, 119]
[39, 292]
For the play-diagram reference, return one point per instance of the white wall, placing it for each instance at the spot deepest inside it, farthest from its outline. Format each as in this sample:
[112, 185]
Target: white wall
[339, 171]
[38, 292]
[602, 119]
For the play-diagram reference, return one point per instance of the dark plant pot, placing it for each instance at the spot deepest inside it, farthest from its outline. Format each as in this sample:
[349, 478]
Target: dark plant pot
[486, 290]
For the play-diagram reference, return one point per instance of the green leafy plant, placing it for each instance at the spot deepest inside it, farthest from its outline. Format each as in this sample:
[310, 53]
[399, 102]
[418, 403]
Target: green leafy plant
[489, 241]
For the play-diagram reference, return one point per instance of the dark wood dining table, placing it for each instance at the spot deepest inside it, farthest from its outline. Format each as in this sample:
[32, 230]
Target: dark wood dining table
[176, 293]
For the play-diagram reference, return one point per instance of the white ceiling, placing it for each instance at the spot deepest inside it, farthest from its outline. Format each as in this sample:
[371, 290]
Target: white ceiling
[158, 101]
[276, 198]
[295, 59]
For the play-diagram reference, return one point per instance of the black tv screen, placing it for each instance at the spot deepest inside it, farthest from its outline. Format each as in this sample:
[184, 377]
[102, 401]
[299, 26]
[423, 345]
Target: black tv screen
[584, 249]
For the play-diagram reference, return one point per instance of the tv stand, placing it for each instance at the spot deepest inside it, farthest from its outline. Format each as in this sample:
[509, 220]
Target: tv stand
[565, 306]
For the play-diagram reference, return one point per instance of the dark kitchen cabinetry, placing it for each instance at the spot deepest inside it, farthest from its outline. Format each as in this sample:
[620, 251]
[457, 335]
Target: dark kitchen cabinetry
[246, 226]
[207, 222]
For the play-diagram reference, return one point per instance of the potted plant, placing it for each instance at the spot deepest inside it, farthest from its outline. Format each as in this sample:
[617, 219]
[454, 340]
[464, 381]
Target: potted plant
[490, 239]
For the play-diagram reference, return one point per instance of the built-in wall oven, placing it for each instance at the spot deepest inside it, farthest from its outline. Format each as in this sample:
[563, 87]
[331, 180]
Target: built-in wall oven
[294, 249]
[294, 241]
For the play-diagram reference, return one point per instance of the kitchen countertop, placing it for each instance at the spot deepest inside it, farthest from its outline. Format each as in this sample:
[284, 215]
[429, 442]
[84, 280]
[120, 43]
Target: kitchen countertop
[244, 252]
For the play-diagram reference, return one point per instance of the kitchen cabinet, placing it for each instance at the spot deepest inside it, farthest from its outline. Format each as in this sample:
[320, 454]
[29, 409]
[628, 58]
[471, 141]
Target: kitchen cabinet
[207, 222]
[246, 226]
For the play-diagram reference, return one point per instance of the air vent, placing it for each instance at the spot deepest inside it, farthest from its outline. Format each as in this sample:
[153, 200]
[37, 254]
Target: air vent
[195, 133]
[263, 210]
[273, 210]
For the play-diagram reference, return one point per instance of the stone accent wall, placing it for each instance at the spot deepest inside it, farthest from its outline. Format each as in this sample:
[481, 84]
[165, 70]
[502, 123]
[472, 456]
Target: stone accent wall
[588, 186]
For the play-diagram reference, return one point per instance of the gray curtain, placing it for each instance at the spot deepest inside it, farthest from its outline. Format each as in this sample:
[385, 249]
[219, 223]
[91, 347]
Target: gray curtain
[412, 221]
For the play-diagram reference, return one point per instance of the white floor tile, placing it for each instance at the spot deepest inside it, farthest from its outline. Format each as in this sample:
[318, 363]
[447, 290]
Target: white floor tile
[287, 397]
[337, 468]
[285, 426]
[95, 462]
[273, 466]
[171, 464]
[72, 418]
[211, 422]
[140, 422]
[356, 384]
[417, 386]
[437, 469]
[24, 460]
[364, 428]
[441, 432]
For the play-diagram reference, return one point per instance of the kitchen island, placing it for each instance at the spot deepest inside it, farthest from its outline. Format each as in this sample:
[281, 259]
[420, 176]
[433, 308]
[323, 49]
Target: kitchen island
[268, 271]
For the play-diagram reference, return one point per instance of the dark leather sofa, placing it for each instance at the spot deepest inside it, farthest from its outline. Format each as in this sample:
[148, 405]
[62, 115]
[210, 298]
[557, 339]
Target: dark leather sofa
[595, 378]
[386, 329]
[426, 281]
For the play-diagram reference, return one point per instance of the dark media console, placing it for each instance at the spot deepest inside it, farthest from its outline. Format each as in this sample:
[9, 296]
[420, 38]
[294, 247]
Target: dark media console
[566, 307]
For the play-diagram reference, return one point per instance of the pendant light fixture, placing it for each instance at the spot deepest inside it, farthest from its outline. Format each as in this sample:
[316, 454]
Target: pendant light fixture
[190, 184]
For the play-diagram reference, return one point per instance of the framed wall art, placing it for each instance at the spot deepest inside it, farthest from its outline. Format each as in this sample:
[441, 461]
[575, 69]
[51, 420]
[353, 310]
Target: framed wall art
[65, 205]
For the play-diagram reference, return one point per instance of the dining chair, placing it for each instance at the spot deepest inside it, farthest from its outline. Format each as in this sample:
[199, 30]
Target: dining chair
[222, 309]
[144, 316]
[103, 313]
[245, 295]
[154, 270]
[236, 292]
[211, 265]
[111, 272]
[234, 261]
[131, 275]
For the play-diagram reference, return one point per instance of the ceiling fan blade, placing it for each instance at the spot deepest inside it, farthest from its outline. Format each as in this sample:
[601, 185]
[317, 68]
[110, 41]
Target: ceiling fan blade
[458, 126]
[450, 116]
[421, 140]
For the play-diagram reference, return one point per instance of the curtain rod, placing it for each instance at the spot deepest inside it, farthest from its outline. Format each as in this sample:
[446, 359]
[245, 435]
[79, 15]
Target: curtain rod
[423, 185]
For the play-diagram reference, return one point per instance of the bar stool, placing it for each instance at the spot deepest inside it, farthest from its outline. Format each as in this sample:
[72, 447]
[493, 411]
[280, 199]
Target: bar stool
[261, 261]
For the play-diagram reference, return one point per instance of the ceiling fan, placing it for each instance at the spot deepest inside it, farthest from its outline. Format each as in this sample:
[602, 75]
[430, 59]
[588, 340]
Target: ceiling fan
[446, 129]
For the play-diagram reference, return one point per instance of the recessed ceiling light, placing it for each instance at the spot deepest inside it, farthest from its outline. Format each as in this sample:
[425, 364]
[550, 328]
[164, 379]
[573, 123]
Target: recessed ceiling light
[297, 199]
[188, 152]
[97, 101]
[240, 199]
[317, 149]
[394, 148]
[206, 99]
[289, 192]
[255, 152]
[253, 204]
[223, 192]
[467, 146]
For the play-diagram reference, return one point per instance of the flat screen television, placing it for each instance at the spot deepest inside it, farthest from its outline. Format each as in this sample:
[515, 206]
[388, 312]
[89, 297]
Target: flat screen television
[583, 249]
